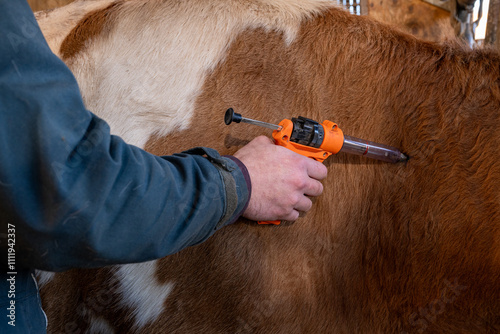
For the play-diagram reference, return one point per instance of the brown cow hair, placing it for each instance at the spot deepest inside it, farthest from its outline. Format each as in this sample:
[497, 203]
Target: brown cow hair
[95, 23]
[430, 100]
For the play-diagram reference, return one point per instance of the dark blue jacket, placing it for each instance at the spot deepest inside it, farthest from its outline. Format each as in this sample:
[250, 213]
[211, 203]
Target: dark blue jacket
[74, 196]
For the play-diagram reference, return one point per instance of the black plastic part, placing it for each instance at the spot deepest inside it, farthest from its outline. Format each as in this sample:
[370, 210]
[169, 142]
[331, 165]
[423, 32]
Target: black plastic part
[307, 132]
[231, 116]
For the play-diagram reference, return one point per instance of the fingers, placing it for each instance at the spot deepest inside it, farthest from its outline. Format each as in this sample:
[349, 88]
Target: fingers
[281, 180]
[303, 205]
[314, 188]
[298, 203]
[316, 170]
[307, 186]
[293, 216]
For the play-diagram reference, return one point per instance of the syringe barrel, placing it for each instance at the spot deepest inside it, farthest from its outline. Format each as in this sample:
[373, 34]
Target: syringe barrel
[369, 149]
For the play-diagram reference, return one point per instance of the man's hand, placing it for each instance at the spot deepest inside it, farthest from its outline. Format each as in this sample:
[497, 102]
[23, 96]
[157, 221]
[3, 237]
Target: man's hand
[281, 180]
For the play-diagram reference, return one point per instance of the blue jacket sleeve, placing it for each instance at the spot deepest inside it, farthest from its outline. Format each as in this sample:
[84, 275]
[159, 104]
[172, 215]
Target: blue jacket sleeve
[80, 197]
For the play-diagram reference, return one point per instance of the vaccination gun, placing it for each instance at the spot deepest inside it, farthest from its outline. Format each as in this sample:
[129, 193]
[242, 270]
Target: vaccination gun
[318, 141]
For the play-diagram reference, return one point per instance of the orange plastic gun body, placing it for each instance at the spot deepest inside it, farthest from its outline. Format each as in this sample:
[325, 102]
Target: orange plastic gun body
[333, 141]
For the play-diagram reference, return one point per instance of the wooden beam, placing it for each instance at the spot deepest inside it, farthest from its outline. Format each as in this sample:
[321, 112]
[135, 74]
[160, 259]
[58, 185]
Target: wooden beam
[492, 33]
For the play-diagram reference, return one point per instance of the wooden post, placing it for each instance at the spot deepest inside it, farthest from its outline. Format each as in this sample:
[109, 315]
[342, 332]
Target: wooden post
[364, 7]
[492, 33]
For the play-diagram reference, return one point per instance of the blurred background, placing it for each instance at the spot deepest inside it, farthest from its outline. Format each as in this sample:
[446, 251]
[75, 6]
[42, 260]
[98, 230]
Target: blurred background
[475, 21]
[37, 5]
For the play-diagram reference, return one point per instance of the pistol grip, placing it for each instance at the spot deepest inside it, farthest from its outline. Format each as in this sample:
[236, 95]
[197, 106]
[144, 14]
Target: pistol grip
[271, 222]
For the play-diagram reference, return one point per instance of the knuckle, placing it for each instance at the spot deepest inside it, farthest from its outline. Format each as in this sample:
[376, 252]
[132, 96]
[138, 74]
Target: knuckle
[263, 140]
[281, 211]
[294, 199]
[300, 183]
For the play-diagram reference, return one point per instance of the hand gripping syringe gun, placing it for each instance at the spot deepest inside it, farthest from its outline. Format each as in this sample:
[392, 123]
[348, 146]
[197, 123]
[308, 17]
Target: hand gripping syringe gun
[318, 141]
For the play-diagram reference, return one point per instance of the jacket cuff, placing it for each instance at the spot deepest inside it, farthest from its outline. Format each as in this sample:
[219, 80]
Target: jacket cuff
[246, 177]
[236, 182]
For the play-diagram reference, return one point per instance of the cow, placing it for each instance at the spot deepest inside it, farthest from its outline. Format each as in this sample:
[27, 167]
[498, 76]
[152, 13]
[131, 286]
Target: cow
[387, 248]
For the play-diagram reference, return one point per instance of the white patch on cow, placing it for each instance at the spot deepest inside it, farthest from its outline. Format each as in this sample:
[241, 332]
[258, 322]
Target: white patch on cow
[44, 277]
[145, 73]
[141, 292]
[99, 326]
[56, 24]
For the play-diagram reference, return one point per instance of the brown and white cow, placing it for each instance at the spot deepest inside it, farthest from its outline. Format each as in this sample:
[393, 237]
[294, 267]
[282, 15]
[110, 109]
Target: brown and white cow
[405, 248]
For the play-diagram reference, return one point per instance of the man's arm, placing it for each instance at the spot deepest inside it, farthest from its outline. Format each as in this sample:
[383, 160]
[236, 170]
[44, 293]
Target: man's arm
[80, 197]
